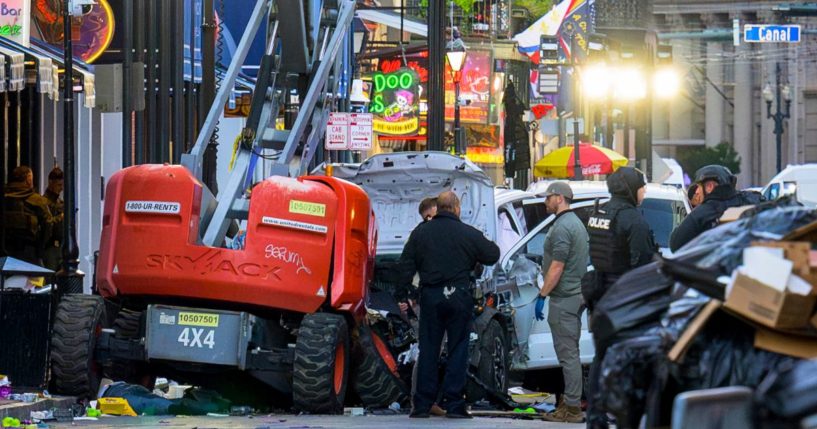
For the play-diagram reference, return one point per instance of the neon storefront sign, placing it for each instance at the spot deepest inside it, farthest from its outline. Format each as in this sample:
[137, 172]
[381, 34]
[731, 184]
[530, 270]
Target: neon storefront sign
[14, 20]
[395, 102]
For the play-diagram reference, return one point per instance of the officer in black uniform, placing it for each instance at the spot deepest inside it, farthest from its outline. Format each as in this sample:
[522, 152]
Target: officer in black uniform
[718, 185]
[444, 251]
[620, 240]
[28, 221]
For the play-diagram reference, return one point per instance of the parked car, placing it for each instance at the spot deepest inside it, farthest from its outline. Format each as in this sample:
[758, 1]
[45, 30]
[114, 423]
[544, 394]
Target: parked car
[797, 180]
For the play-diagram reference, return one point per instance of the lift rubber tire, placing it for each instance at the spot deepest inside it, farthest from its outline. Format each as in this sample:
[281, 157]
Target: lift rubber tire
[128, 325]
[321, 368]
[377, 381]
[493, 363]
[78, 322]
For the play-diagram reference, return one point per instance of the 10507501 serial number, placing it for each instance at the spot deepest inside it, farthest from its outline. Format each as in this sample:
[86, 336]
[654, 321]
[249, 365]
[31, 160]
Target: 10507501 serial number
[198, 319]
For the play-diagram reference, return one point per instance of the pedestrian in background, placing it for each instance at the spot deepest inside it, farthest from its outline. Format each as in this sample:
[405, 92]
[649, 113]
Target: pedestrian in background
[28, 221]
[620, 240]
[444, 251]
[566, 255]
[52, 255]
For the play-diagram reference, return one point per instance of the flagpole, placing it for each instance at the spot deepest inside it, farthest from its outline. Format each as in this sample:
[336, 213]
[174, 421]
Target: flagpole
[577, 166]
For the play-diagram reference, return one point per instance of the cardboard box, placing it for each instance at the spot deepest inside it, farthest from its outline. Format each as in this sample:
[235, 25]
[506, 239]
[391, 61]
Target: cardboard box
[679, 349]
[733, 213]
[768, 306]
[790, 345]
[801, 255]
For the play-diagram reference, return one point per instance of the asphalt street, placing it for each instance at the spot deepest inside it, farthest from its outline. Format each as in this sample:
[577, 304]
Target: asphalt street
[312, 422]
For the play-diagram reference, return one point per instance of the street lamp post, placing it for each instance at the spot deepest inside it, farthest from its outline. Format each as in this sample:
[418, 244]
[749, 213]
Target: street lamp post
[69, 277]
[456, 59]
[781, 92]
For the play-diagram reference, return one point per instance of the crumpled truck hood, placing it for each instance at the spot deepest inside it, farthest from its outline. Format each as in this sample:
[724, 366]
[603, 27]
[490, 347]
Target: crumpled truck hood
[397, 182]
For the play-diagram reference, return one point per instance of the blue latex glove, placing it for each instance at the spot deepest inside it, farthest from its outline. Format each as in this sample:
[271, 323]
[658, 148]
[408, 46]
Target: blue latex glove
[540, 307]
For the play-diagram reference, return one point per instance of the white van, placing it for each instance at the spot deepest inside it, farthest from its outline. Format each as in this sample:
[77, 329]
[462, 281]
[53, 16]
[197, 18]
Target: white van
[797, 180]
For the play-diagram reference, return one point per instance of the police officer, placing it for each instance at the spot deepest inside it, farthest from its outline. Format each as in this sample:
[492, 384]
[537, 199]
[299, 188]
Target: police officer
[444, 251]
[718, 186]
[52, 256]
[28, 220]
[620, 240]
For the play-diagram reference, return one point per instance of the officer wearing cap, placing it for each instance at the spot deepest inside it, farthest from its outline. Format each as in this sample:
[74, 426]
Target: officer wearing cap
[718, 186]
[565, 258]
[52, 256]
[620, 240]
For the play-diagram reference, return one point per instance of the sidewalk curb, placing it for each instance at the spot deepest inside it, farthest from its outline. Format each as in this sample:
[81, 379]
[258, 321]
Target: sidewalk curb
[23, 410]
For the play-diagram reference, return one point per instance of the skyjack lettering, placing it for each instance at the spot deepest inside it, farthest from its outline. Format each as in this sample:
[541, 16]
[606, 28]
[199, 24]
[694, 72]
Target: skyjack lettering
[209, 262]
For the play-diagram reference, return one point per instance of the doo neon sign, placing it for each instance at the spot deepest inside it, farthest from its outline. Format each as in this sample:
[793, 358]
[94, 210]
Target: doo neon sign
[395, 102]
[401, 84]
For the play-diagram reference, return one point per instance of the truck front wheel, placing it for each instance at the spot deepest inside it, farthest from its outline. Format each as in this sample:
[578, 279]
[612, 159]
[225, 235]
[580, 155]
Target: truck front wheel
[321, 366]
[77, 325]
[493, 363]
[377, 380]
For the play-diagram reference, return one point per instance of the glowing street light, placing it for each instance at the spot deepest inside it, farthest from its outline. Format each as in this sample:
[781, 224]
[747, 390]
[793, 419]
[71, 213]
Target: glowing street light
[666, 83]
[596, 81]
[456, 59]
[629, 85]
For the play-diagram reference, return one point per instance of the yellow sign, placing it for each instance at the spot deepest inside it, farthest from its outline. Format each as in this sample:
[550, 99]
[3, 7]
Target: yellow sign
[198, 319]
[396, 128]
[303, 207]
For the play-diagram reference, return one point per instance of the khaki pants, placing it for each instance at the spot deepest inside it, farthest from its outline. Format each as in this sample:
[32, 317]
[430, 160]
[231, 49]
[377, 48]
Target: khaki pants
[564, 318]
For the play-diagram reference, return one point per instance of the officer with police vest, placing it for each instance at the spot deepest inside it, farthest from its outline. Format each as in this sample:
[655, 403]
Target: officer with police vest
[620, 240]
[28, 221]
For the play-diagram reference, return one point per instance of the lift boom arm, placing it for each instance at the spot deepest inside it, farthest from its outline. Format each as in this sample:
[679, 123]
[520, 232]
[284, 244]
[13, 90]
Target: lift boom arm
[306, 52]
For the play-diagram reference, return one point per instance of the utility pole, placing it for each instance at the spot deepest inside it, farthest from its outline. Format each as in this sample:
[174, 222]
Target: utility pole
[436, 68]
[69, 278]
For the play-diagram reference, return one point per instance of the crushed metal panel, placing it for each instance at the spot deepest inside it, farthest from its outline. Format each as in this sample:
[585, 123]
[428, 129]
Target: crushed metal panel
[397, 182]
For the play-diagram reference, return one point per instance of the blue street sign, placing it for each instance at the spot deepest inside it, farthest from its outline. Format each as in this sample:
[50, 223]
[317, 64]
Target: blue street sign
[771, 33]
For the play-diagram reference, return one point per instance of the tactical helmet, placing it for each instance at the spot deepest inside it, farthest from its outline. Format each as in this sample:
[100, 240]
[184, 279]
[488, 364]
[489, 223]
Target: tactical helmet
[718, 173]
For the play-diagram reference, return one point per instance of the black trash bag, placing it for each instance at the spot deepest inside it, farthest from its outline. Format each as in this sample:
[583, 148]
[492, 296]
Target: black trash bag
[686, 304]
[723, 354]
[628, 372]
[638, 299]
[704, 280]
[722, 248]
[788, 394]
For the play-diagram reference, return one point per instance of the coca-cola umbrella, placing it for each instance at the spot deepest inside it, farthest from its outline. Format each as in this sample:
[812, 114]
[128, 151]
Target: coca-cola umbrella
[559, 164]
